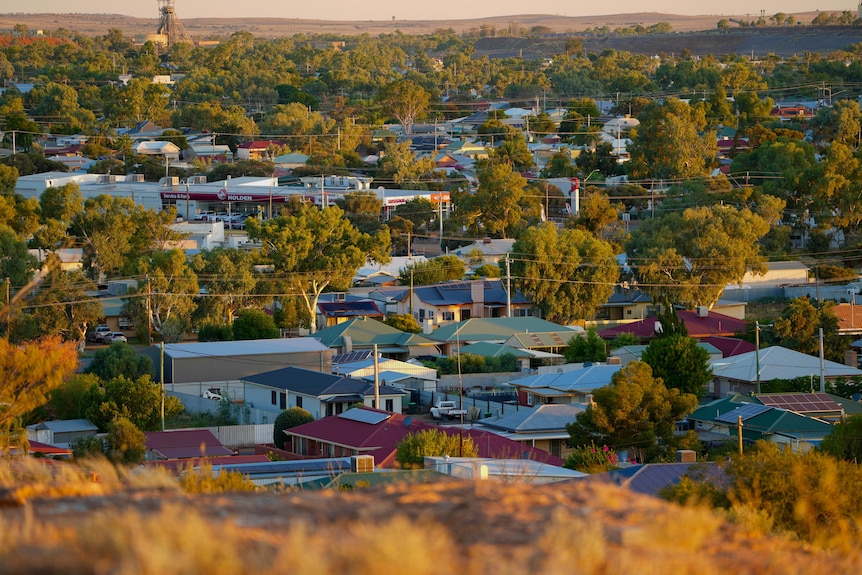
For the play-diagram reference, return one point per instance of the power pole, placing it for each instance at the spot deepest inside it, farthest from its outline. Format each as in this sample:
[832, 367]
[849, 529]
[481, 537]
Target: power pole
[739, 431]
[508, 288]
[149, 315]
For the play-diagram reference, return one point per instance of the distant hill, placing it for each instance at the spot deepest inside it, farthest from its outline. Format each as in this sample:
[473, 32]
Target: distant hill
[96, 24]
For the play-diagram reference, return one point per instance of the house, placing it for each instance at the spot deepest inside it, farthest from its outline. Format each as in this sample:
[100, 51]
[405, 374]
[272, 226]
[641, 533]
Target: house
[523, 356]
[183, 444]
[729, 346]
[320, 394]
[778, 274]
[454, 301]
[700, 323]
[362, 333]
[573, 387]
[630, 353]
[543, 426]
[849, 318]
[161, 149]
[336, 312]
[257, 149]
[651, 478]
[742, 373]
[497, 330]
[487, 251]
[364, 431]
[625, 304]
[403, 374]
[721, 417]
[219, 361]
[61, 432]
[553, 343]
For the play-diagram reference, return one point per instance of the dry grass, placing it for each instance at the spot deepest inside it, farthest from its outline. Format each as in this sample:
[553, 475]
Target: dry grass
[134, 525]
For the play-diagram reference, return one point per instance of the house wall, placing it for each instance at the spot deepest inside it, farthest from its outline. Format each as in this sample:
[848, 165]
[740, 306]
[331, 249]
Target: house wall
[212, 368]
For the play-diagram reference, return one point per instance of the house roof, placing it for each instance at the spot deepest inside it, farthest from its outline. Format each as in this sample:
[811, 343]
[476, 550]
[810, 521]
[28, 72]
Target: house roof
[495, 329]
[729, 346]
[582, 380]
[380, 436]
[185, 443]
[156, 147]
[365, 367]
[650, 478]
[545, 417]
[241, 347]
[461, 293]
[66, 425]
[535, 340]
[777, 362]
[366, 332]
[178, 465]
[350, 309]
[488, 247]
[317, 384]
[759, 419]
[488, 349]
[713, 324]
[386, 477]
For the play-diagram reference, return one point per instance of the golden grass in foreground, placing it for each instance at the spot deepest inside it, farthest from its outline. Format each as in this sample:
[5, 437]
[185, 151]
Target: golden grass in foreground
[136, 526]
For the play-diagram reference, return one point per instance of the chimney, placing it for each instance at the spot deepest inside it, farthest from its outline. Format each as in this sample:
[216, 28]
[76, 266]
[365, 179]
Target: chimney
[348, 344]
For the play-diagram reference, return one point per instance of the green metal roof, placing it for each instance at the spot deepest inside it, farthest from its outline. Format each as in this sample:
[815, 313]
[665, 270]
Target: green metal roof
[487, 349]
[365, 332]
[494, 328]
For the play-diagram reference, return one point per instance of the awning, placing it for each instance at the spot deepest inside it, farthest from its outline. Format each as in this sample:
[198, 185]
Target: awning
[342, 398]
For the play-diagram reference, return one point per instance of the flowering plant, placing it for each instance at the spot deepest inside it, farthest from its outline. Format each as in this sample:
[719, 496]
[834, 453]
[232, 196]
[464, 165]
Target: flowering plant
[592, 459]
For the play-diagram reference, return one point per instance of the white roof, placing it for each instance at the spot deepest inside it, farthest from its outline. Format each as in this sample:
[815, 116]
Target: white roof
[777, 362]
[581, 380]
[243, 347]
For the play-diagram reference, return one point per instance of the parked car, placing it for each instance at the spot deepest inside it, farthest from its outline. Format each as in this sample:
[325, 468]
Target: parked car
[213, 393]
[204, 217]
[114, 336]
[98, 333]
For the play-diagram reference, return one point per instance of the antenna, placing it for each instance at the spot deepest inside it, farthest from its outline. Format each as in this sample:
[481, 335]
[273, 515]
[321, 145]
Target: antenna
[170, 25]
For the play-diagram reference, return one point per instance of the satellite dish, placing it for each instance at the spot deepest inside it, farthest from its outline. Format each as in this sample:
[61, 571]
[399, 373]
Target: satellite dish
[408, 420]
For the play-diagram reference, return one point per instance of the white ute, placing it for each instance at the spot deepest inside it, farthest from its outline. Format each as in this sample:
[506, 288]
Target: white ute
[447, 409]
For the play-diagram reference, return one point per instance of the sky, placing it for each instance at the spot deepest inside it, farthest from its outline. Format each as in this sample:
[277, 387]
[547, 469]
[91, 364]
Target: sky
[405, 10]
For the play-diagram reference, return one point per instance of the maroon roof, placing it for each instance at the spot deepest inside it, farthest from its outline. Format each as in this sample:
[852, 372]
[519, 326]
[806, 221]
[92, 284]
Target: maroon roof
[729, 346]
[713, 324]
[380, 440]
[184, 444]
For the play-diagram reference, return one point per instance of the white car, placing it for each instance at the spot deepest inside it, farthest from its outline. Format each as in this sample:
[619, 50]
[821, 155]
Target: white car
[114, 336]
[205, 217]
[99, 333]
[212, 393]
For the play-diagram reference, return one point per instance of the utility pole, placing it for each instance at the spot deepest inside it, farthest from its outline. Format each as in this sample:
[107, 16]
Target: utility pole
[162, 381]
[508, 288]
[149, 315]
[822, 364]
[739, 431]
[376, 379]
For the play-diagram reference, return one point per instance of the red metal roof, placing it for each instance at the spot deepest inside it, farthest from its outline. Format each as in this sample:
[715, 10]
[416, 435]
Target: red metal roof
[713, 324]
[185, 444]
[380, 440]
[729, 346]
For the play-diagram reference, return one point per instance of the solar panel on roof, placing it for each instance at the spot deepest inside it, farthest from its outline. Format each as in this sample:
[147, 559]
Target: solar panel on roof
[801, 402]
[364, 416]
[746, 412]
[352, 356]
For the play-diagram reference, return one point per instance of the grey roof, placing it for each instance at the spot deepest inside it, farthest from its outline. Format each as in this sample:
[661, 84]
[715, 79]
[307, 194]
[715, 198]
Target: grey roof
[242, 347]
[460, 293]
[651, 478]
[777, 362]
[546, 417]
[66, 425]
[315, 383]
[583, 380]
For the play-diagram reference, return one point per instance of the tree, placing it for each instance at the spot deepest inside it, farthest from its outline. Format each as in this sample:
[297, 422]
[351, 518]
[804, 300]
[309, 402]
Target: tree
[313, 250]
[416, 446]
[285, 420]
[403, 321]
[845, 440]
[495, 207]
[589, 347]
[138, 400]
[227, 275]
[668, 144]
[405, 100]
[513, 152]
[105, 228]
[126, 444]
[254, 324]
[62, 305]
[73, 399]
[362, 209]
[688, 258]
[799, 327]
[437, 270]
[29, 372]
[166, 301]
[634, 411]
[400, 164]
[680, 362]
[16, 262]
[597, 215]
[567, 273]
[119, 360]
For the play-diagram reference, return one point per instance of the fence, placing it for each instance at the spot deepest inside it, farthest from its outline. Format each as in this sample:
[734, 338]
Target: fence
[477, 406]
[239, 411]
[234, 436]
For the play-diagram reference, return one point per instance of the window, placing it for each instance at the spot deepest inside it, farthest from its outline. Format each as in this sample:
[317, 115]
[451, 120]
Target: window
[421, 313]
[298, 401]
[390, 405]
[465, 314]
[448, 316]
[521, 312]
[339, 408]
[274, 397]
[282, 400]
